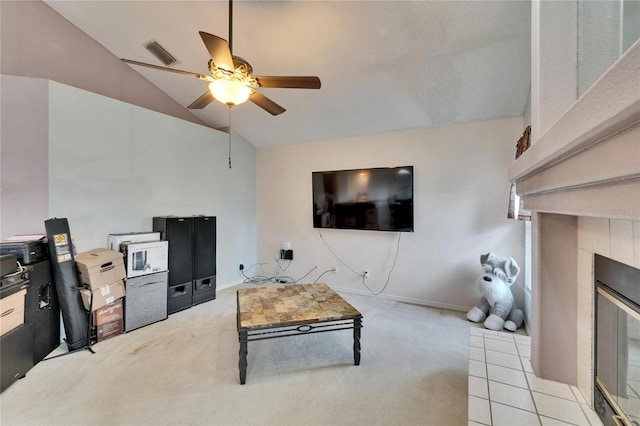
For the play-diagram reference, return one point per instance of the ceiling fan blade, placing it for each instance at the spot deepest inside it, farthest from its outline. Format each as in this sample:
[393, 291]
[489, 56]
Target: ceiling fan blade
[266, 103]
[218, 50]
[289, 82]
[157, 67]
[205, 99]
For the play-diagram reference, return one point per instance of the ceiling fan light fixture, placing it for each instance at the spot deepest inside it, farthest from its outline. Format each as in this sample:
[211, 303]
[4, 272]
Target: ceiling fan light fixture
[229, 91]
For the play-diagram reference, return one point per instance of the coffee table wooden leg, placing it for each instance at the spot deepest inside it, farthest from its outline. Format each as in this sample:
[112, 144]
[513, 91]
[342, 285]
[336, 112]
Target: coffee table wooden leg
[242, 363]
[357, 325]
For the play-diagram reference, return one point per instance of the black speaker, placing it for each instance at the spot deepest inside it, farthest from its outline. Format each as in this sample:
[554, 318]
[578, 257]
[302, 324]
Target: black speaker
[179, 297]
[192, 259]
[204, 244]
[178, 231]
[204, 259]
[42, 310]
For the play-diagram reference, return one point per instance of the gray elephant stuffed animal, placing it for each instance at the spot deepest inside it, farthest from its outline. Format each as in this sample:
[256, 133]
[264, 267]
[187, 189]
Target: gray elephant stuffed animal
[497, 307]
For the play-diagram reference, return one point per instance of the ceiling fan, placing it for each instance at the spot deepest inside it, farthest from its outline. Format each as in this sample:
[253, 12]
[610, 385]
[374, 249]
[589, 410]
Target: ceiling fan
[231, 79]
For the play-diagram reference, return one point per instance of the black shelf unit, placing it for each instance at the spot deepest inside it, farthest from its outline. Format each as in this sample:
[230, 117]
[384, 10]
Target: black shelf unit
[192, 259]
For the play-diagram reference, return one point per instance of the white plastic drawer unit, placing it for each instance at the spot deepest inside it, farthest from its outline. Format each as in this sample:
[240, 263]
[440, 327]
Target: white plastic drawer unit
[146, 300]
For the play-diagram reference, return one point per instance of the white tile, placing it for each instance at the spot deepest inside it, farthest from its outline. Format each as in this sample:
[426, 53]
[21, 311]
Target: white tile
[504, 415]
[593, 235]
[504, 360]
[476, 341]
[622, 241]
[506, 335]
[524, 350]
[475, 331]
[592, 416]
[584, 380]
[479, 410]
[499, 337]
[550, 387]
[560, 409]
[501, 346]
[505, 375]
[477, 368]
[511, 395]
[476, 353]
[547, 421]
[526, 365]
[578, 395]
[585, 269]
[478, 387]
[470, 423]
[522, 338]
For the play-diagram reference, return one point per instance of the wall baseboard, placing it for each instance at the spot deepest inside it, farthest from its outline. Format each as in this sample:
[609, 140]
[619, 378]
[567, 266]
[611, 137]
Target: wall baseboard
[410, 300]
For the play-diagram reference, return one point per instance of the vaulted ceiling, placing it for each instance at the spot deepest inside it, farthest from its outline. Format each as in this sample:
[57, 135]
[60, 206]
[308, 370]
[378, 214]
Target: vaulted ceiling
[384, 65]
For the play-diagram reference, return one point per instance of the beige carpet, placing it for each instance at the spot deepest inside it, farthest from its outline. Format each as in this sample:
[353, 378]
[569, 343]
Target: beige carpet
[184, 371]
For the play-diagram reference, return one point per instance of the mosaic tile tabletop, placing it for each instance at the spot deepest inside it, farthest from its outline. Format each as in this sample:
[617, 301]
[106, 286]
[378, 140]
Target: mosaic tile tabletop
[294, 304]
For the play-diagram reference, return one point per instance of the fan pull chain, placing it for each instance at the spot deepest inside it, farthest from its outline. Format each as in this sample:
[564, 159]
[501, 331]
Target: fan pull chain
[229, 137]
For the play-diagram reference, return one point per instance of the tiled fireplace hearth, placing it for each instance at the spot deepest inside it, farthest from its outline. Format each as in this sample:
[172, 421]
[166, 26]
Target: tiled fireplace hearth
[581, 180]
[503, 389]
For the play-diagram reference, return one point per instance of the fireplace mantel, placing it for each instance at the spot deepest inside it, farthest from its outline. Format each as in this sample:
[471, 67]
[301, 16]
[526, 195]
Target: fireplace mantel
[588, 162]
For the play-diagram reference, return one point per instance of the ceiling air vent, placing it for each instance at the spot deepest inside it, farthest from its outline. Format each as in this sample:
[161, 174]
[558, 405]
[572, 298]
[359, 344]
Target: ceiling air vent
[161, 53]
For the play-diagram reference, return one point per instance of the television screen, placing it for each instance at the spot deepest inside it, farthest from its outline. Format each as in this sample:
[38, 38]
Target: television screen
[379, 199]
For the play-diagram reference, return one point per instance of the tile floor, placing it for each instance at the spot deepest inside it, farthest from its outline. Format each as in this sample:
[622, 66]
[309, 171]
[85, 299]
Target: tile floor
[503, 391]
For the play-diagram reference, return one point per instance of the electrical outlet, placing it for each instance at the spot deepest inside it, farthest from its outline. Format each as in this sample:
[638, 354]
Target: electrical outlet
[365, 273]
[241, 266]
[334, 269]
[286, 254]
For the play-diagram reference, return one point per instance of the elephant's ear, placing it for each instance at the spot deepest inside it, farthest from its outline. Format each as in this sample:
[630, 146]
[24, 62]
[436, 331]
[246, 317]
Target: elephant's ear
[511, 269]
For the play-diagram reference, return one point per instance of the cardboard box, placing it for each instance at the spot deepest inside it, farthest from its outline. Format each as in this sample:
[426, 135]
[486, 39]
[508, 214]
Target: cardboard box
[12, 311]
[109, 320]
[114, 240]
[145, 258]
[102, 296]
[100, 267]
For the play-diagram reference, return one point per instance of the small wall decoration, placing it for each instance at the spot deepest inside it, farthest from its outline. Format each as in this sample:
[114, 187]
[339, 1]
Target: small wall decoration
[523, 142]
[516, 205]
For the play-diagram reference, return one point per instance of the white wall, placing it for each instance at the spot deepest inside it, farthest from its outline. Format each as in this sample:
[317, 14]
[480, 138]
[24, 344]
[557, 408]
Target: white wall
[599, 39]
[24, 155]
[36, 41]
[113, 166]
[461, 192]
[554, 43]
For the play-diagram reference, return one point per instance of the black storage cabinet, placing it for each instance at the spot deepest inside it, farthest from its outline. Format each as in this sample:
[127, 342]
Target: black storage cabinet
[42, 310]
[192, 259]
[16, 354]
[16, 346]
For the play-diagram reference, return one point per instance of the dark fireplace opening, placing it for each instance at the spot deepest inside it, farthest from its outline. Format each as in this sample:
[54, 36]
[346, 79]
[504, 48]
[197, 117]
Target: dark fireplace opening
[617, 342]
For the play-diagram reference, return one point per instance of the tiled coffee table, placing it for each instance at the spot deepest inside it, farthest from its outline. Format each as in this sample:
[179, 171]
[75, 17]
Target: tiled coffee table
[289, 310]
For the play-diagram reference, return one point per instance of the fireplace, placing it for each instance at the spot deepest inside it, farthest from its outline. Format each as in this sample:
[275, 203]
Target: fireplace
[617, 342]
[581, 180]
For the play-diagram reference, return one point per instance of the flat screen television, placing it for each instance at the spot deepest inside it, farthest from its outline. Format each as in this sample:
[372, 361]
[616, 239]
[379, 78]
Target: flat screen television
[377, 199]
